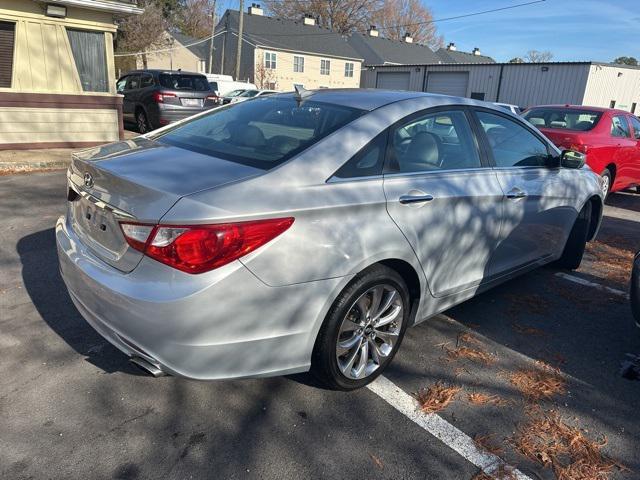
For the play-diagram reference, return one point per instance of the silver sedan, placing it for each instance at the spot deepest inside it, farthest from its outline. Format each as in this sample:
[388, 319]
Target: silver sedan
[307, 231]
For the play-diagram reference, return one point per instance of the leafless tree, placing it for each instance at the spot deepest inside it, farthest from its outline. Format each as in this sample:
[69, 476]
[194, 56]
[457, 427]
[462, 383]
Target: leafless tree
[194, 18]
[536, 56]
[142, 33]
[263, 77]
[397, 17]
[342, 16]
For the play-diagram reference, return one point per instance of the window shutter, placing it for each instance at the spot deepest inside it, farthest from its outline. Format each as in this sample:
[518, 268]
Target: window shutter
[7, 34]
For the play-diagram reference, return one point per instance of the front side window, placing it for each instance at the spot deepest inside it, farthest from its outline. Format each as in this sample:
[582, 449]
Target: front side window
[619, 126]
[146, 81]
[325, 67]
[120, 84]
[432, 142]
[89, 54]
[563, 118]
[348, 69]
[298, 64]
[7, 39]
[261, 133]
[512, 144]
[270, 60]
[133, 82]
[635, 123]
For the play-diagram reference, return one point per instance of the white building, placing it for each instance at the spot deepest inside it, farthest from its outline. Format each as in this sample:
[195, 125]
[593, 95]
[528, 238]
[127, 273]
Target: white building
[524, 84]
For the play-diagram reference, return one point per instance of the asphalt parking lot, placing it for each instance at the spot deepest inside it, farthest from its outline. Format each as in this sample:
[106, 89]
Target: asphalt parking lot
[71, 406]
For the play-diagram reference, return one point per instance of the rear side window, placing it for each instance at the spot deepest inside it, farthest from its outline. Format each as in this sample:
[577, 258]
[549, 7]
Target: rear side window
[261, 133]
[434, 141]
[512, 144]
[619, 126]
[563, 118]
[197, 83]
[146, 81]
[367, 162]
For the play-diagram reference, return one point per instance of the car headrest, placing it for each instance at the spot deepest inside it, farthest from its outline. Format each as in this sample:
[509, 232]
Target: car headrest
[424, 148]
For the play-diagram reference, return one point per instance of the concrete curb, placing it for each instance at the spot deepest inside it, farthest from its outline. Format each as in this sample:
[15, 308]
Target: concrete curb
[29, 166]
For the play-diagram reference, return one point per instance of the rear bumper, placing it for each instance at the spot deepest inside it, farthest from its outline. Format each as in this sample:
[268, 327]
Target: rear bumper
[169, 113]
[221, 324]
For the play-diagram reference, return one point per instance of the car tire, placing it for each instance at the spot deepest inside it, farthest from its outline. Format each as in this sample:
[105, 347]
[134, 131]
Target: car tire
[352, 319]
[142, 122]
[607, 180]
[635, 289]
[574, 248]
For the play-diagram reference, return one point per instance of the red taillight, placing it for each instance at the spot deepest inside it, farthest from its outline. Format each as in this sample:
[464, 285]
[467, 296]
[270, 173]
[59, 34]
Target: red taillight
[578, 147]
[200, 248]
[159, 97]
[213, 98]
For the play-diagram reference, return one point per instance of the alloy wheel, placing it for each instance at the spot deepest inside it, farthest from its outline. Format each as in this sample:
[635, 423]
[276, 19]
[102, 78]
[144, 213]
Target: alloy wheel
[369, 331]
[606, 183]
[142, 122]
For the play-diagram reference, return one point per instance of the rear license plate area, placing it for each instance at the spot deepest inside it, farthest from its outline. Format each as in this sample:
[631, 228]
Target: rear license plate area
[191, 102]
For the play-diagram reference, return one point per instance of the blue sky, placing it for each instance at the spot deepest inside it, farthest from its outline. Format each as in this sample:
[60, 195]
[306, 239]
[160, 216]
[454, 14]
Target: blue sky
[572, 30]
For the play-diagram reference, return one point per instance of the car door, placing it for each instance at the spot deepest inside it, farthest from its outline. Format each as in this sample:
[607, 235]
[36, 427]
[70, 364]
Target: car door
[130, 93]
[625, 147]
[537, 216]
[634, 170]
[444, 197]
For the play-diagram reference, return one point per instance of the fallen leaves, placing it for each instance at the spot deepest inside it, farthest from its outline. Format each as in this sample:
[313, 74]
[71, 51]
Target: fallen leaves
[378, 463]
[532, 303]
[527, 330]
[548, 440]
[487, 443]
[503, 472]
[477, 398]
[617, 260]
[540, 382]
[473, 354]
[436, 397]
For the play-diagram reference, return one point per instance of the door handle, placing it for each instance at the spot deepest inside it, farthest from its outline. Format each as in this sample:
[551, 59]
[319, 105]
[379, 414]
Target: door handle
[408, 199]
[515, 192]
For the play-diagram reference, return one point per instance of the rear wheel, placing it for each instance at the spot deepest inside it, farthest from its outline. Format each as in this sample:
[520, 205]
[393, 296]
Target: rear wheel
[607, 180]
[142, 122]
[574, 248]
[363, 330]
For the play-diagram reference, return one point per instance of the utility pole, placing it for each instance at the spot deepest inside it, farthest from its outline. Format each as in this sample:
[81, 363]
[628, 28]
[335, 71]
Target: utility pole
[213, 31]
[239, 49]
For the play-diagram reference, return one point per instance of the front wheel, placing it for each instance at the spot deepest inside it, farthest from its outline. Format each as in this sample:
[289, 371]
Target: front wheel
[363, 330]
[577, 241]
[607, 180]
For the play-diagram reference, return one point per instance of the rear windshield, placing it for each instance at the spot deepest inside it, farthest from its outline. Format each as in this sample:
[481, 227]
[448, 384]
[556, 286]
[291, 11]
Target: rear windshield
[563, 118]
[261, 133]
[184, 82]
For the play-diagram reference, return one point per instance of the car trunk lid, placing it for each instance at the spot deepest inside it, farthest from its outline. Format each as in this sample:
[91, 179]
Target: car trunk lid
[565, 139]
[137, 180]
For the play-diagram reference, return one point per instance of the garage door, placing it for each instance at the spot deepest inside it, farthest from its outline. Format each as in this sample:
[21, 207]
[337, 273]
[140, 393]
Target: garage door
[393, 80]
[448, 83]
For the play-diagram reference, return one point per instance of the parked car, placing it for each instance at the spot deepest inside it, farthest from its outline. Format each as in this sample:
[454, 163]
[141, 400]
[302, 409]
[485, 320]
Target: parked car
[516, 110]
[610, 138]
[308, 231]
[154, 98]
[249, 94]
[635, 289]
[223, 84]
[233, 93]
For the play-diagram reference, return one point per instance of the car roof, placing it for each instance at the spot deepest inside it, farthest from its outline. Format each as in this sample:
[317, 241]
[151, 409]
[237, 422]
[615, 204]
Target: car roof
[372, 98]
[170, 72]
[583, 107]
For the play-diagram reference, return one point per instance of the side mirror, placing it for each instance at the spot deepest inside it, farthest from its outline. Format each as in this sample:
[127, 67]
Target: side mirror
[571, 159]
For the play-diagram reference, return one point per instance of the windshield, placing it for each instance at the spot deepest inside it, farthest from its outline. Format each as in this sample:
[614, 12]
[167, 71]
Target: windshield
[563, 118]
[184, 82]
[249, 93]
[234, 93]
[262, 133]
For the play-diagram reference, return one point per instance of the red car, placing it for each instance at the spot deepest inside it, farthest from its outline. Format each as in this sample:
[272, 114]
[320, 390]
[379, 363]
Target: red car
[610, 138]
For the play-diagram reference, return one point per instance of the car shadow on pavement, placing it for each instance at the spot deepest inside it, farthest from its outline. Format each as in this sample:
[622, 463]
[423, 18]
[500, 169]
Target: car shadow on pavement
[43, 283]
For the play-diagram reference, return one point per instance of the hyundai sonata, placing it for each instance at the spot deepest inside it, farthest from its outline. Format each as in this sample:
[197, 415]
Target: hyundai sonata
[307, 231]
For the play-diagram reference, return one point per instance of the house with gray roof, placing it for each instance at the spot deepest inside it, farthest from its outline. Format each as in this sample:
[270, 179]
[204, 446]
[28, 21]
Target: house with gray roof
[450, 54]
[279, 54]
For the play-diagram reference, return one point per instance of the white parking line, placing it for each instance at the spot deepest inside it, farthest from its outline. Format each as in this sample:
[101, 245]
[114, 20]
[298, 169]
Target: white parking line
[440, 428]
[587, 283]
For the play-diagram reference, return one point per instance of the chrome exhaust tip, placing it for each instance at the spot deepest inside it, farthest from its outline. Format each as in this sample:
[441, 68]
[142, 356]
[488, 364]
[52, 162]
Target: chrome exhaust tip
[147, 366]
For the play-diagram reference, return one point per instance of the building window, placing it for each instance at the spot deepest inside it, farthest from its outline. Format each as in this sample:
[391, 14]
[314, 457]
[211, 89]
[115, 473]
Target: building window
[348, 69]
[477, 95]
[325, 67]
[91, 61]
[612, 104]
[298, 64]
[7, 35]
[270, 60]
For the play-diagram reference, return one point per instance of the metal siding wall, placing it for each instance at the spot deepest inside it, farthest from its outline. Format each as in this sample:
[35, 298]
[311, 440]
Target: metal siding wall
[482, 78]
[527, 85]
[605, 85]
